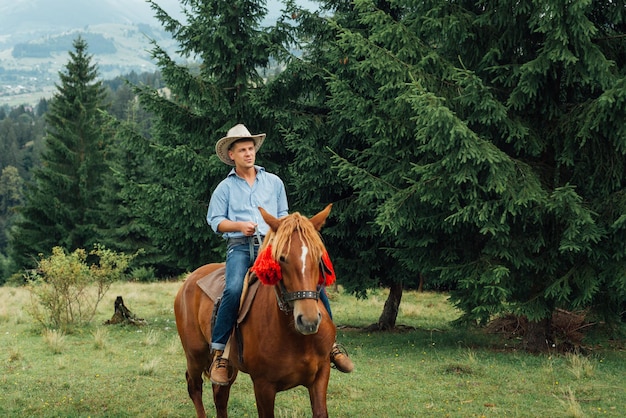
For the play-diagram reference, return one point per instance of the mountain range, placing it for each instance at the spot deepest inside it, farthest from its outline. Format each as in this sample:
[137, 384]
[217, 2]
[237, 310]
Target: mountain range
[36, 35]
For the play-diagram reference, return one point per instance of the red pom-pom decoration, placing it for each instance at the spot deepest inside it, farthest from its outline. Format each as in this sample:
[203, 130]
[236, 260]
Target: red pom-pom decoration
[327, 271]
[266, 268]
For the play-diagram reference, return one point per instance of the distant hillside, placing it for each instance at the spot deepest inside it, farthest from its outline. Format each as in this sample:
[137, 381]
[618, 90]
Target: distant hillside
[36, 36]
[98, 45]
[29, 70]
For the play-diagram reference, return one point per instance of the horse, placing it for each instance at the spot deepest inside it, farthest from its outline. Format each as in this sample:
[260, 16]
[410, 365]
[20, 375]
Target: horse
[286, 337]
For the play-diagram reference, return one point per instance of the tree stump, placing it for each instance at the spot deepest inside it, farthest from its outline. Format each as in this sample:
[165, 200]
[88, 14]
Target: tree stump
[123, 315]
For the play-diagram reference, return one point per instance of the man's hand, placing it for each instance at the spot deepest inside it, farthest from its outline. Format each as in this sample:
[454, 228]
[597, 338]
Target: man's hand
[248, 228]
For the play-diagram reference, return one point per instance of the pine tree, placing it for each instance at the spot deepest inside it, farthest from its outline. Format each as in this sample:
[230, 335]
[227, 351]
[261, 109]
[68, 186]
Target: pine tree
[9, 146]
[496, 156]
[62, 203]
[21, 139]
[11, 196]
[122, 229]
[297, 99]
[198, 107]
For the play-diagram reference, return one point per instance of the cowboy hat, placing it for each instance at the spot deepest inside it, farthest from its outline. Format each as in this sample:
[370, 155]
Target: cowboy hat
[236, 133]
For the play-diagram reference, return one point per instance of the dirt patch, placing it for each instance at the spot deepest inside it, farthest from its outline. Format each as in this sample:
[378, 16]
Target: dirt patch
[567, 329]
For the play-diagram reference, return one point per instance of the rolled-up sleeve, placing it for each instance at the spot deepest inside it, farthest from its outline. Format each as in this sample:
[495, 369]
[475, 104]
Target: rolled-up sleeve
[218, 207]
[283, 206]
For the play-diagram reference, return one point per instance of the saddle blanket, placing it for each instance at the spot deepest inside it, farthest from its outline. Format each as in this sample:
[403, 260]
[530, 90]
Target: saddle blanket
[213, 285]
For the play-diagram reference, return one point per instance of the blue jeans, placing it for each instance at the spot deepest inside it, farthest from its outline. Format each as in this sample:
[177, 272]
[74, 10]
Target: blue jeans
[324, 299]
[237, 264]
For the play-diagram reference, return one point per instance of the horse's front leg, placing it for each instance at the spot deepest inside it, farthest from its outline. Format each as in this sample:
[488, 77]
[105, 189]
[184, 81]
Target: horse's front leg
[220, 398]
[317, 392]
[265, 395]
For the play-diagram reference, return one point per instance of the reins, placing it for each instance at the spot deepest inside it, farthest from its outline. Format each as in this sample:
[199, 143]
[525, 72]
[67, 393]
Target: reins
[259, 240]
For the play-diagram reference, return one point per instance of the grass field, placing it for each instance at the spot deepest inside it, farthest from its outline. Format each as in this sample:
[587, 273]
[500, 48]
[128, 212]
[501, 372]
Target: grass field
[428, 369]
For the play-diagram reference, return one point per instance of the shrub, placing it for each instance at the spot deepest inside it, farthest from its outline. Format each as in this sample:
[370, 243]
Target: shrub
[55, 340]
[65, 291]
[143, 274]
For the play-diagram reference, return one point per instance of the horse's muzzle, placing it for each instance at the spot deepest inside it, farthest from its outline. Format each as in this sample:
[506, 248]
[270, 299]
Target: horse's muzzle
[306, 325]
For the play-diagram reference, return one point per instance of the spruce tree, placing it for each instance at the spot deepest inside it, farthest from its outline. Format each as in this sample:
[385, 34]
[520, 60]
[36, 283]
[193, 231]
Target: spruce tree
[201, 102]
[122, 229]
[298, 99]
[11, 196]
[62, 206]
[496, 156]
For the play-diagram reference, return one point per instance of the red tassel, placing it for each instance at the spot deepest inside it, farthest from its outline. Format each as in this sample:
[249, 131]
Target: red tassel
[327, 271]
[266, 268]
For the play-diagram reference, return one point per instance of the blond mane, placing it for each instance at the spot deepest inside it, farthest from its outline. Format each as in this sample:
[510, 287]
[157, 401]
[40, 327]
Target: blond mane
[288, 225]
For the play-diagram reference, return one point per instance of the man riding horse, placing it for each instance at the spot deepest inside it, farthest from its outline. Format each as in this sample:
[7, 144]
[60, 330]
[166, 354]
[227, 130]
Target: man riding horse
[233, 212]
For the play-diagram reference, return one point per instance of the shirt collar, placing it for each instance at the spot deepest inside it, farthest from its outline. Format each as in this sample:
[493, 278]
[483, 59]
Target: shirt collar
[258, 169]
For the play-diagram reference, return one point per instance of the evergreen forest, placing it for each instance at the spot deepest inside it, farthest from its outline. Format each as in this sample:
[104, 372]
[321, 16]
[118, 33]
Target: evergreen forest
[476, 147]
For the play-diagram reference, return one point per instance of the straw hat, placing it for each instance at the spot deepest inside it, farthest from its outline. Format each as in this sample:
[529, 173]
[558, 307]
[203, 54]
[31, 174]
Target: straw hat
[235, 133]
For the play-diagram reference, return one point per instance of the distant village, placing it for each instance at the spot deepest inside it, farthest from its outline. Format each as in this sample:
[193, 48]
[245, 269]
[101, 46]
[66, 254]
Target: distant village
[27, 85]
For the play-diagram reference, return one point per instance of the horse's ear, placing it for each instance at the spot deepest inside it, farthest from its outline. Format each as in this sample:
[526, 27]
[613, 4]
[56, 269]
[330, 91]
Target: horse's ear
[269, 219]
[319, 220]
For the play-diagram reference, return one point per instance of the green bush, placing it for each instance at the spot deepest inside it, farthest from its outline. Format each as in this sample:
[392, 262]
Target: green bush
[65, 291]
[143, 274]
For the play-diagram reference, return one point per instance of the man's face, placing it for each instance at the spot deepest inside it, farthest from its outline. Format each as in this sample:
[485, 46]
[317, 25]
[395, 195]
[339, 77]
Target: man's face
[243, 153]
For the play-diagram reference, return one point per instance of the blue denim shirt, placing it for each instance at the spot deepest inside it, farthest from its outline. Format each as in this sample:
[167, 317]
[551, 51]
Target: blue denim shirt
[235, 200]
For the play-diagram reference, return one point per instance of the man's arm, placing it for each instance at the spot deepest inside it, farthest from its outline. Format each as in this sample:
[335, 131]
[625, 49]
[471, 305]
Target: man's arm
[245, 227]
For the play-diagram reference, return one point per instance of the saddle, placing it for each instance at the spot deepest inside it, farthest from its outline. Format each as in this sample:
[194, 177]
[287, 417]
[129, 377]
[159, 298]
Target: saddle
[213, 285]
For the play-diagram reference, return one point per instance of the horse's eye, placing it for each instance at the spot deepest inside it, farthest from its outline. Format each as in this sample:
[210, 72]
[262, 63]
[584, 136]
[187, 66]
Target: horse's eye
[282, 258]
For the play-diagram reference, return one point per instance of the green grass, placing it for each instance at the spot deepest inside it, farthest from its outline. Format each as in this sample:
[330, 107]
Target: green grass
[429, 369]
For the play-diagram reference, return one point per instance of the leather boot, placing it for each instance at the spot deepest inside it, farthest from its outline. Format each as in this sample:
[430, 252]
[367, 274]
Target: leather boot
[219, 369]
[339, 357]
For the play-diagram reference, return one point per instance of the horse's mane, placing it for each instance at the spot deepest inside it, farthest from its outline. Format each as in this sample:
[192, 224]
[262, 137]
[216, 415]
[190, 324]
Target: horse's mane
[288, 224]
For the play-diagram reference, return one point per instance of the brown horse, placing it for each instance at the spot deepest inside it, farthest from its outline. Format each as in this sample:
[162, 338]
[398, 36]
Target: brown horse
[286, 338]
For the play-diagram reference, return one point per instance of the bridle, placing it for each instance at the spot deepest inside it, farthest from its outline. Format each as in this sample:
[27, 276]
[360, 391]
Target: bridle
[285, 299]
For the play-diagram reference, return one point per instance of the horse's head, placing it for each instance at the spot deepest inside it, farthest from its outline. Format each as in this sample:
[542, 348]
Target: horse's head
[297, 248]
